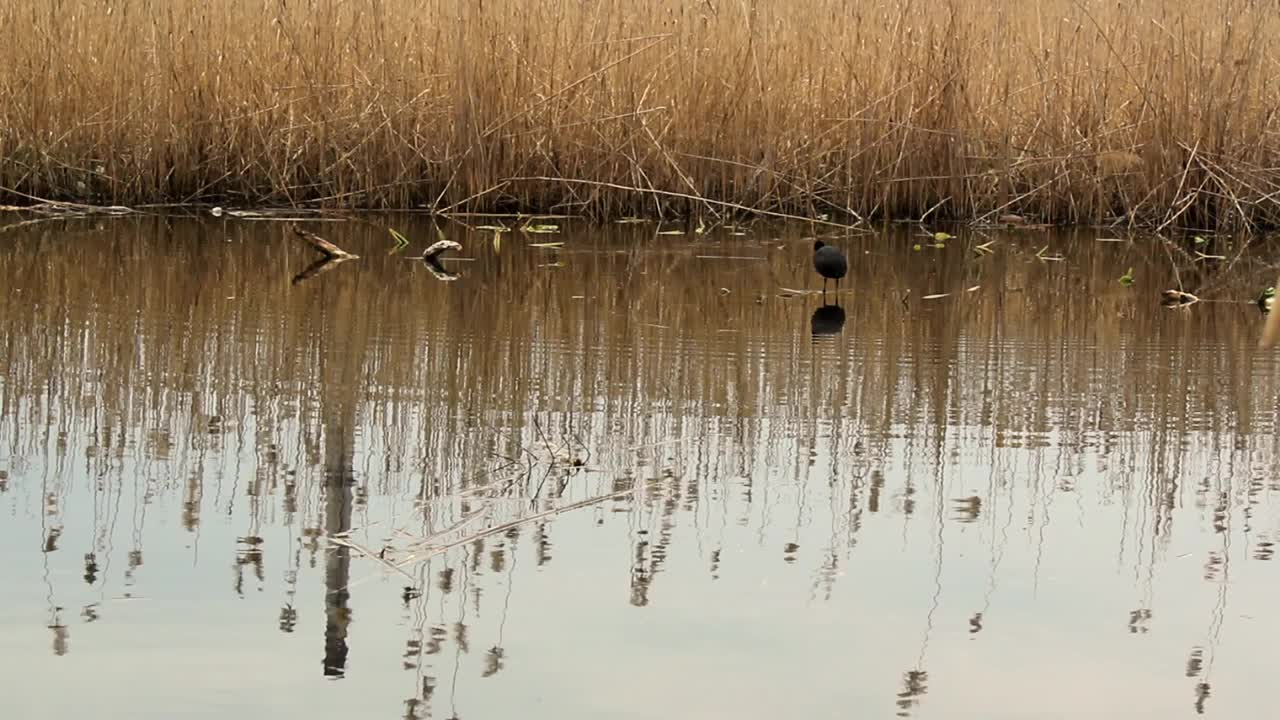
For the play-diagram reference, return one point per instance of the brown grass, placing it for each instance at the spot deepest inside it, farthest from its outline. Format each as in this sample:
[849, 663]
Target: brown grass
[1068, 110]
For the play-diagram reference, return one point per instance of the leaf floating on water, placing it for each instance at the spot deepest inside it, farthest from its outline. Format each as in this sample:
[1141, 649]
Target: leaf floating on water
[1127, 278]
[942, 236]
[547, 245]
[1198, 240]
[917, 247]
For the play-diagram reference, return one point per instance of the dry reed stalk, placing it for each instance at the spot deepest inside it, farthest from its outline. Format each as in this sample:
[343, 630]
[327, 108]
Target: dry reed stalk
[1064, 110]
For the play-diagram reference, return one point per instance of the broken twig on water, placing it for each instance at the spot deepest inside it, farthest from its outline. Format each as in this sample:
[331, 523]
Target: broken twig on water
[322, 246]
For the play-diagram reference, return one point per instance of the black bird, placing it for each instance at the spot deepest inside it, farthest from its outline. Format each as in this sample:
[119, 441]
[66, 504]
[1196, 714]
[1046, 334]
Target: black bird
[830, 264]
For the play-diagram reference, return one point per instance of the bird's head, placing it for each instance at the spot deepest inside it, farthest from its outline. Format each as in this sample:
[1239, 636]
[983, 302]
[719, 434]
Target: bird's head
[818, 245]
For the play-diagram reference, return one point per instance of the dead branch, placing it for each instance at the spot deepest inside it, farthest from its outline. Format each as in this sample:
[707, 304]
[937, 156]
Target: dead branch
[322, 246]
[438, 247]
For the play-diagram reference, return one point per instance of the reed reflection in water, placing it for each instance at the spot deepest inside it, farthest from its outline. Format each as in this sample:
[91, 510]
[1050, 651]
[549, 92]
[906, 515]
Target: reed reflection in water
[632, 475]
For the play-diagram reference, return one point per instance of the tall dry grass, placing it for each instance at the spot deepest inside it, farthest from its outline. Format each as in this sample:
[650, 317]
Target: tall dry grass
[1071, 110]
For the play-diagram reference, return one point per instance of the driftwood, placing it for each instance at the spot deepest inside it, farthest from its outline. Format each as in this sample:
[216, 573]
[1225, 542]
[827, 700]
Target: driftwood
[322, 246]
[438, 247]
[330, 255]
[432, 259]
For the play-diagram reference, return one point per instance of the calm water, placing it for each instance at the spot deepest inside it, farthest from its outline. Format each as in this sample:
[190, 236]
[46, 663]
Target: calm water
[625, 478]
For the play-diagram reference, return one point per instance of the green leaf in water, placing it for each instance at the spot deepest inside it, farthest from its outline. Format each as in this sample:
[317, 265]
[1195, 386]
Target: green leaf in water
[1127, 278]
[917, 247]
[1198, 240]
[942, 236]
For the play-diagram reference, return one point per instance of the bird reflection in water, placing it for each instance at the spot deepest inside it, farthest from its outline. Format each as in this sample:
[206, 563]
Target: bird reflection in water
[827, 320]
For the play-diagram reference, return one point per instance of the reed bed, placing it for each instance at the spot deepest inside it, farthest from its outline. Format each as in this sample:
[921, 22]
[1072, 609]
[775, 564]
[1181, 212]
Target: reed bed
[1152, 111]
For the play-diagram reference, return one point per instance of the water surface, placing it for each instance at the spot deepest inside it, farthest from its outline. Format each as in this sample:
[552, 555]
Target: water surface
[633, 476]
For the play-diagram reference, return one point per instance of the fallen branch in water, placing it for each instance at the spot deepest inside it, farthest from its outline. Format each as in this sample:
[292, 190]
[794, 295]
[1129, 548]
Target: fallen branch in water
[431, 253]
[322, 246]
